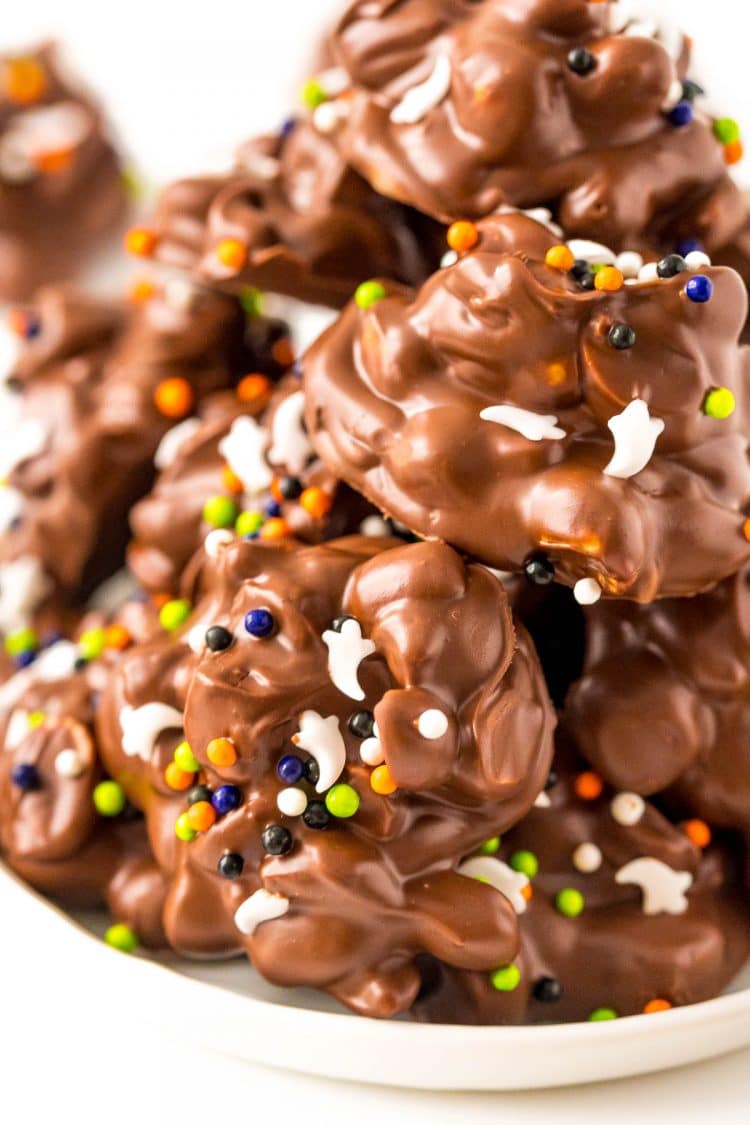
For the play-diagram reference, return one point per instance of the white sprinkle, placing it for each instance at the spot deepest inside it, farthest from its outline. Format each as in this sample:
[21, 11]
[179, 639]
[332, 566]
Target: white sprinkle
[16, 730]
[10, 353]
[11, 506]
[664, 889]
[419, 100]
[592, 252]
[20, 438]
[290, 445]
[330, 116]
[432, 723]
[216, 540]
[587, 858]
[347, 648]
[635, 433]
[642, 29]
[534, 427]
[262, 906]
[243, 449]
[587, 591]
[261, 165]
[697, 260]
[141, 726]
[54, 663]
[179, 293]
[23, 587]
[500, 876]
[69, 763]
[370, 750]
[542, 800]
[629, 263]
[174, 441]
[374, 527]
[323, 739]
[16, 166]
[674, 95]
[627, 808]
[333, 81]
[195, 639]
[649, 272]
[449, 258]
[291, 801]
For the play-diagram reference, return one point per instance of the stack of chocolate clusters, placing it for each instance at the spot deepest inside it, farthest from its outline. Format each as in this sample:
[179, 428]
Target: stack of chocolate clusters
[434, 692]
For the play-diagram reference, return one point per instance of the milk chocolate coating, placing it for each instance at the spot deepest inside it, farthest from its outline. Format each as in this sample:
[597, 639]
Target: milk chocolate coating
[663, 701]
[312, 228]
[395, 391]
[61, 184]
[368, 894]
[518, 126]
[88, 426]
[169, 523]
[611, 955]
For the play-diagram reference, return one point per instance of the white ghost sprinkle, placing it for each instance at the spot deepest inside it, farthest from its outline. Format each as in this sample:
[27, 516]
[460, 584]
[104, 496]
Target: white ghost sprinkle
[534, 427]
[500, 876]
[290, 445]
[635, 433]
[664, 889]
[347, 648]
[23, 587]
[141, 726]
[419, 100]
[323, 739]
[173, 441]
[243, 448]
[594, 253]
[262, 906]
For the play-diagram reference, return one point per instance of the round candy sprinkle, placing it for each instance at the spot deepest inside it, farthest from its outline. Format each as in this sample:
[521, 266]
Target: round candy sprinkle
[221, 752]
[547, 990]
[259, 622]
[734, 152]
[109, 798]
[274, 529]
[699, 289]
[432, 723]
[361, 724]
[69, 764]
[656, 1005]
[342, 801]
[117, 637]
[177, 779]
[272, 509]
[525, 862]
[248, 523]
[382, 782]
[587, 858]
[312, 771]
[218, 638]
[462, 236]
[277, 840]
[25, 776]
[91, 644]
[588, 785]
[226, 799]
[681, 114]
[232, 254]
[216, 541]
[35, 719]
[174, 613]
[121, 937]
[506, 979]
[199, 793]
[491, 846]
[231, 481]
[581, 61]
[719, 403]
[174, 397]
[316, 502]
[140, 242]
[316, 815]
[22, 641]
[727, 130]
[608, 280]
[369, 293]
[201, 816]
[252, 387]
[313, 94]
[185, 759]
[622, 337]
[220, 511]
[289, 488]
[560, 258]
[698, 832]
[291, 801]
[539, 570]
[671, 266]
[627, 808]
[183, 830]
[290, 769]
[601, 1014]
[570, 902]
[230, 865]
[252, 302]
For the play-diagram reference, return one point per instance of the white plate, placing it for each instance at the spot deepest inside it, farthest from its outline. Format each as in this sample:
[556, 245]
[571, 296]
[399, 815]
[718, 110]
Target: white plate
[227, 1007]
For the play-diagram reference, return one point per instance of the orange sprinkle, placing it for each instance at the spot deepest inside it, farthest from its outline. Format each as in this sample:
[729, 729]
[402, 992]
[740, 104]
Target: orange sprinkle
[733, 152]
[221, 752]
[176, 778]
[232, 254]
[117, 637]
[160, 600]
[18, 322]
[656, 1005]
[560, 258]
[527, 891]
[54, 161]
[253, 387]
[588, 785]
[276, 492]
[140, 242]
[201, 816]
[283, 352]
[231, 481]
[557, 373]
[24, 81]
[746, 528]
[174, 397]
[698, 832]
[462, 236]
[274, 529]
[382, 782]
[316, 502]
[142, 289]
[609, 280]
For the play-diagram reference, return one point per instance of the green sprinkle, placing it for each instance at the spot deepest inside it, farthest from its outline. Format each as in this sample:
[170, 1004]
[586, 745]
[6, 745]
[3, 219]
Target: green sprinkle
[313, 94]
[174, 614]
[570, 902]
[369, 293]
[600, 1014]
[122, 937]
[24, 640]
[719, 403]
[132, 183]
[506, 979]
[252, 301]
[35, 719]
[491, 846]
[249, 523]
[525, 862]
[109, 798]
[91, 643]
[182, 829]
[342, 801]
[220, 511]
[727, 130]
[186, 759]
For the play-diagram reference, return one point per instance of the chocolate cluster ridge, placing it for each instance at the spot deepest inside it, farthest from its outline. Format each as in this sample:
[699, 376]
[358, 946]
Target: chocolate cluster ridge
[548, 413]
[356, 717]
[90, 389]
[290, 218]
[663, 702]
[61, 185]
[459, 107]
[620, 913]
[248, 466]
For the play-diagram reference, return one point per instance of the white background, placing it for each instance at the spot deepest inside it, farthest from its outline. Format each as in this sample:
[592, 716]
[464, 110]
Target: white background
[184, 82]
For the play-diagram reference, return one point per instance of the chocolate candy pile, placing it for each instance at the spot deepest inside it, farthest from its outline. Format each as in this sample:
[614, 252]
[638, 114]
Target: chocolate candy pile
[429, 684]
